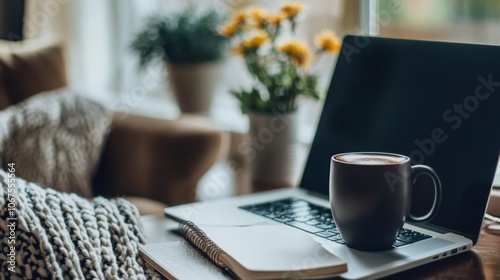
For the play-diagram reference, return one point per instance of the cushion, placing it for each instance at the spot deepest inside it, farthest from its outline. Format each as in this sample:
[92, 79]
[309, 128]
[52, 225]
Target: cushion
[55, 140]
[29, 67]
[59, 236]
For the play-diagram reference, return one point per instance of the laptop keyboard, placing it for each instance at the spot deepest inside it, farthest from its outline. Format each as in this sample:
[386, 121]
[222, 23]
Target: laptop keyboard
[316, 219]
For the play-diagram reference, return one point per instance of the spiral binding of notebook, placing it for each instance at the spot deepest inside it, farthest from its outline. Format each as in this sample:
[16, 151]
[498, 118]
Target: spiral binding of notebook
[198, 239]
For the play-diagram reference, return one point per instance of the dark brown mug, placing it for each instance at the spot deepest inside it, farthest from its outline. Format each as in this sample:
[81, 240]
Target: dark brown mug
[370, 196]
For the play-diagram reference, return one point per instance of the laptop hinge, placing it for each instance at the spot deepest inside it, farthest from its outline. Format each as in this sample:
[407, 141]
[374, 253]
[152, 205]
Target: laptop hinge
[430, 227]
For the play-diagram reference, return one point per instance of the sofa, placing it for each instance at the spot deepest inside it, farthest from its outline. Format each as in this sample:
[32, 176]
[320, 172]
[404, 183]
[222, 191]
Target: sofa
[152, 162]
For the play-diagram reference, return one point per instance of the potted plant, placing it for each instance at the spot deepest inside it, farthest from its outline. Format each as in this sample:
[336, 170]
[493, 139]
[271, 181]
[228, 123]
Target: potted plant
[279, 67]
[192, 48]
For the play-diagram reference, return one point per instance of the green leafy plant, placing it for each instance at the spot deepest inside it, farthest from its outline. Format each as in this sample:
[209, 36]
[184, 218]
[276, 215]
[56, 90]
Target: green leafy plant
[279, 67]
[186, 37]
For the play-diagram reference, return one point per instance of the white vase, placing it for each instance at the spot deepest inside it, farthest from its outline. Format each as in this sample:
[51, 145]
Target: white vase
[194, 85]
[273, 145]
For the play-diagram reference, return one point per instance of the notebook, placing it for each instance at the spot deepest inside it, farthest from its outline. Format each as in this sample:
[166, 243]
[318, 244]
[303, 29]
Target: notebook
[180, 260]
[436, 102]
[237, 253]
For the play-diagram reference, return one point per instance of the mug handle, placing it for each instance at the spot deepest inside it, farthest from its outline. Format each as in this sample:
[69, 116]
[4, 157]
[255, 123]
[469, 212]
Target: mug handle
[416, 171]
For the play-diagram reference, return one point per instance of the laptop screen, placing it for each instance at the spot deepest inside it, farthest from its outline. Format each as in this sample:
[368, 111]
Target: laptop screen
[436, 102]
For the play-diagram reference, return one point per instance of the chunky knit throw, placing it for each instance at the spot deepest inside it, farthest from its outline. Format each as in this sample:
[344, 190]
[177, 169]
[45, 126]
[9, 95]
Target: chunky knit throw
[45, 234]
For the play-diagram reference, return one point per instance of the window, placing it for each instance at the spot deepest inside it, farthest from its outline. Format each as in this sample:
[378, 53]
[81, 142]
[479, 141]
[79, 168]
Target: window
[476, 21]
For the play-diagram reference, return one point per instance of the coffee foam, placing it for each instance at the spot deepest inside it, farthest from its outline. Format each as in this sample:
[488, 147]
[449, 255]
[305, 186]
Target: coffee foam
[370, 159]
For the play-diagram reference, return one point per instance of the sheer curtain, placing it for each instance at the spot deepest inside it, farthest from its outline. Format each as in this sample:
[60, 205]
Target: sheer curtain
[97, 35]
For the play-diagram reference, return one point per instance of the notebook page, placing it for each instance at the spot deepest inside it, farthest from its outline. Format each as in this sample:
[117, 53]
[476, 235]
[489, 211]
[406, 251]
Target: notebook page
[182, 261]
[272, 248]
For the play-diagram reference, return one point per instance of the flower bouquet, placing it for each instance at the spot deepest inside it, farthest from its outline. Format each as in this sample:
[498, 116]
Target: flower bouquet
[278, 65]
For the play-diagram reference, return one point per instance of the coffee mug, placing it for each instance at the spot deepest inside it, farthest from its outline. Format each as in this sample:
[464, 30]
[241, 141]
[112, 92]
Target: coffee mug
[370, 196]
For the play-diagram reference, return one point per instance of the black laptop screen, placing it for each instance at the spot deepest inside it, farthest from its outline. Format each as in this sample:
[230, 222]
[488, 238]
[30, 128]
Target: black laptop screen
[436, 102]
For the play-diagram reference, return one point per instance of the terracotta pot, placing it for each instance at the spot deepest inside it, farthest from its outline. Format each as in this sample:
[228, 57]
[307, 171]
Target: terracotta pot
[194, 85]
[273, 146]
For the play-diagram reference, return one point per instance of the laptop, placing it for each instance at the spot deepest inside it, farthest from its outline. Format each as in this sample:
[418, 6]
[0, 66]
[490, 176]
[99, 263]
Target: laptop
[436, 102]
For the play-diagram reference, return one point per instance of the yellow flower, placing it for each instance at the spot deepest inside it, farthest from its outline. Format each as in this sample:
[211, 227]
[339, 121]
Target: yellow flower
[261, 17]
[328, 41]
[291, 9]
[257, 40]
[229, 29]
[239, 49]
[237, 21]
[239, 17]
[277, 18]
[298, 51]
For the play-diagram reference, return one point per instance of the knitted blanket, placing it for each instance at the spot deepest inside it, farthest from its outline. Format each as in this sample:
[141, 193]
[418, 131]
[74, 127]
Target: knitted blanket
[45, 234]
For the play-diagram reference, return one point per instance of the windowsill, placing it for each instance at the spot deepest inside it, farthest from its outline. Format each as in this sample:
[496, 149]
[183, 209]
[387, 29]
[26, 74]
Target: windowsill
[225, 113]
